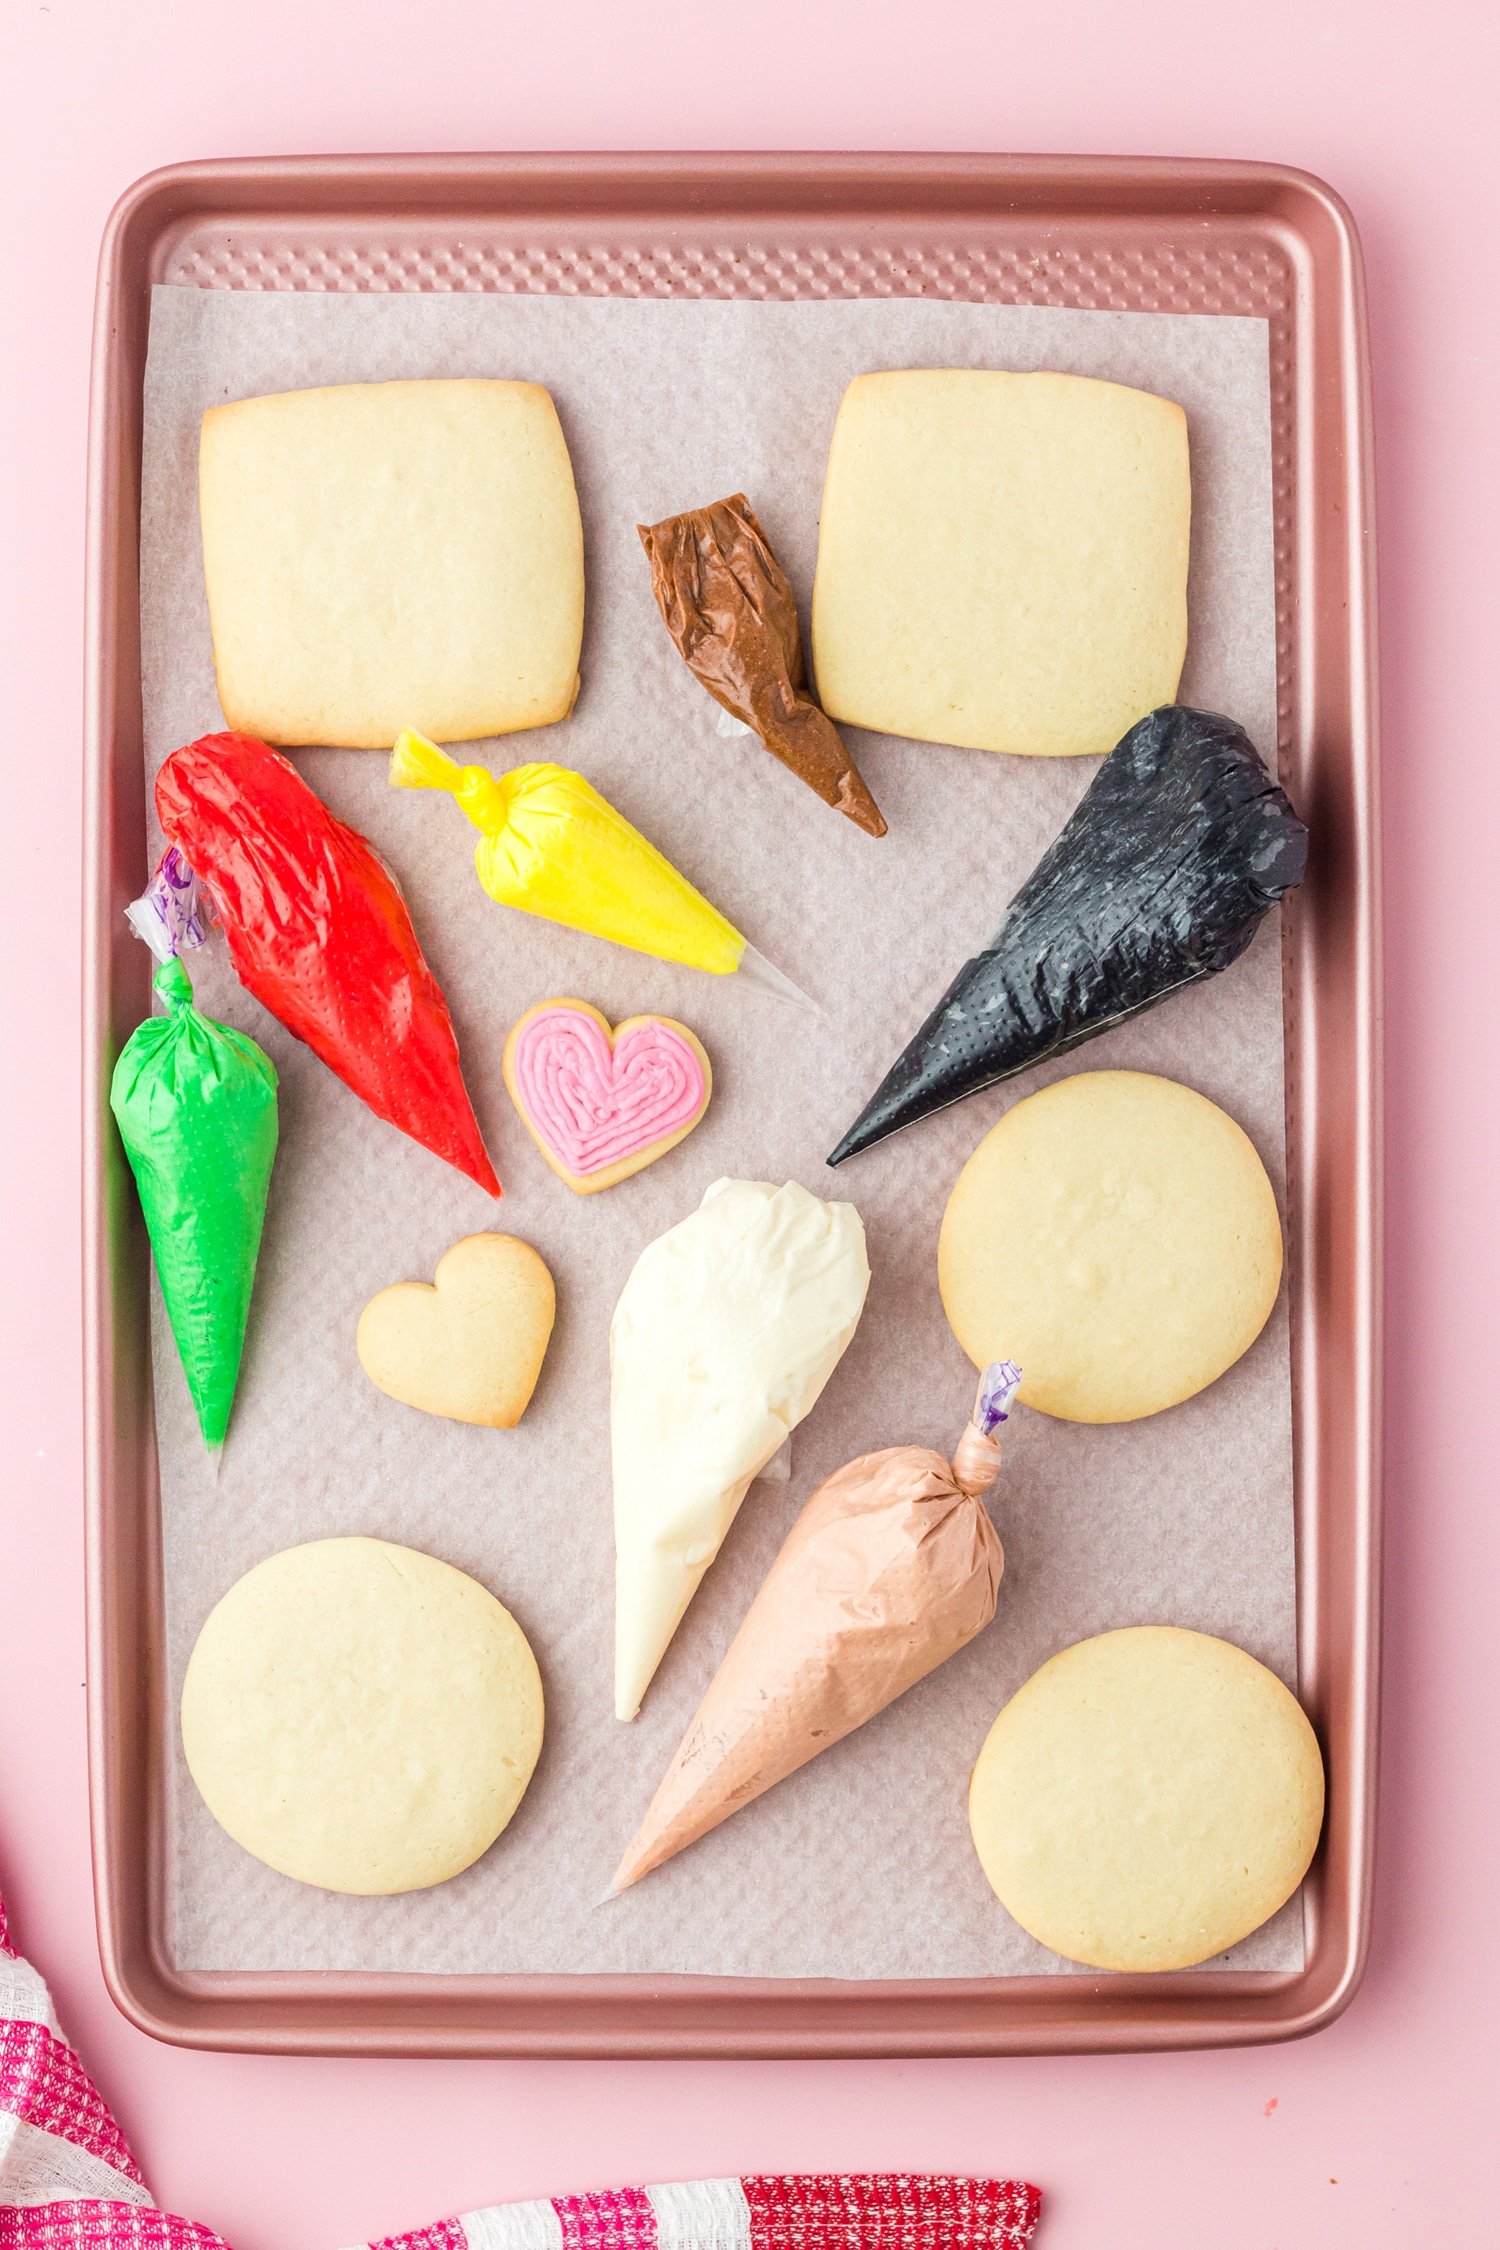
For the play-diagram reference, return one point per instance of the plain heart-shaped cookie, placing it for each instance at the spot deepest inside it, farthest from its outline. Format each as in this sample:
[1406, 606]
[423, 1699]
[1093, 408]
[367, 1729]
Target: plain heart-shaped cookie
[469, 1344]
[602, 1104]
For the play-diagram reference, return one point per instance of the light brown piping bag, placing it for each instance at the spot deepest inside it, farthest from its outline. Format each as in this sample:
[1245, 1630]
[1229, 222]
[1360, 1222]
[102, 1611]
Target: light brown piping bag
[891, 1568]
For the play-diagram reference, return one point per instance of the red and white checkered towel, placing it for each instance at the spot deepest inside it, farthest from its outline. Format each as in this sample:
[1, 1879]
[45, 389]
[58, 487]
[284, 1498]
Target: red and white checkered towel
[68, 2182]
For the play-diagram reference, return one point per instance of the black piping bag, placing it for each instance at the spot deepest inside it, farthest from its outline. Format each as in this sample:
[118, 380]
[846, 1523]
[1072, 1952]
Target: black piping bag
[1180, 846]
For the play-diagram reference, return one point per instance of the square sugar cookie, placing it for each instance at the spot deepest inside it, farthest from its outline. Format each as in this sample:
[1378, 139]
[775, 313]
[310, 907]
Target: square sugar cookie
[383, 555]
[1002, 560]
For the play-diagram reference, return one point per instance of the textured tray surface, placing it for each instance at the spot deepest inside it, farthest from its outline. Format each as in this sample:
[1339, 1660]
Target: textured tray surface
[1118, 272]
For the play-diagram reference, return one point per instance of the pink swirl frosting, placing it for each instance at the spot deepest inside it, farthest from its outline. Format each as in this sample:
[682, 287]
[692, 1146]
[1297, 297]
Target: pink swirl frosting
[597, 1104]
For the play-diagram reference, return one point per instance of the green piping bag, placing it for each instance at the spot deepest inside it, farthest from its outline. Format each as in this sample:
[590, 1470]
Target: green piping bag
[196, 1106]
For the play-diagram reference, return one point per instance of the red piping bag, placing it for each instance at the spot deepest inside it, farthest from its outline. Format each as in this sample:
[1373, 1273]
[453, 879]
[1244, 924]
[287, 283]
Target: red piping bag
[319, 932]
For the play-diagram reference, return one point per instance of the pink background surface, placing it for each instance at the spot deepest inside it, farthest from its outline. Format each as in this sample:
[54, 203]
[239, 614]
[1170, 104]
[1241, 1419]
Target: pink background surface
[1377, 2132]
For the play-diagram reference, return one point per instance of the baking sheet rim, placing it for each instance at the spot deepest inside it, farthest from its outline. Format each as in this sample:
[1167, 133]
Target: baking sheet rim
[385, 2013]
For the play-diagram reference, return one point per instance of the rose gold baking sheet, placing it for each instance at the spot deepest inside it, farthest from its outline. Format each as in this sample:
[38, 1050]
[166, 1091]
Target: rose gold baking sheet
[1095, 236]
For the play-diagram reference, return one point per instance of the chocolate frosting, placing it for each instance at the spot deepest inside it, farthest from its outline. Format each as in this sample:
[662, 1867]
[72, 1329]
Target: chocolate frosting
[728, 605]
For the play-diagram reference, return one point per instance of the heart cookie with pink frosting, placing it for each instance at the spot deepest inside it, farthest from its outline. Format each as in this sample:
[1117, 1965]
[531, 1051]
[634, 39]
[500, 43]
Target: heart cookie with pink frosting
[602, 1104]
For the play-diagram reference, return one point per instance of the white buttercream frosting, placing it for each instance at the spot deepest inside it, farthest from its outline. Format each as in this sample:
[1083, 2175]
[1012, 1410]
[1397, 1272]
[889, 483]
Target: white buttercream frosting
[724, 1336]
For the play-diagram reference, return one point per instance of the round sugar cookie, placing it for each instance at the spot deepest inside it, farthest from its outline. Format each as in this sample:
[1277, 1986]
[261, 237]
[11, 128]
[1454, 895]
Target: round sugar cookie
[1117, 1234]
[1148, 1798]
[361, 1716]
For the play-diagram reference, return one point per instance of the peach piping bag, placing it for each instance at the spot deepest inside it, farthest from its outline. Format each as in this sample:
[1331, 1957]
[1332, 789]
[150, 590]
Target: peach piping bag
[891, 1568]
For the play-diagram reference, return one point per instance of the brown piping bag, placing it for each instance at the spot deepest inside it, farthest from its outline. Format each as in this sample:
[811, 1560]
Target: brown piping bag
[728, 605]
[891, 1568]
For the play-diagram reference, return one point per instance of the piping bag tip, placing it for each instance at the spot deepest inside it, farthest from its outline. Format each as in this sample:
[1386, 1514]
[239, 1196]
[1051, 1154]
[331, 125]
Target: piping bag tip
[885, 1113]
[630, 1871]
[854, 1143]
[757, 970]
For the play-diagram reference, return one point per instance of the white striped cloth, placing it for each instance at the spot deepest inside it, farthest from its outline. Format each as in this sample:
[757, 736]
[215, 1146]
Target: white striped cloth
[69, 2182]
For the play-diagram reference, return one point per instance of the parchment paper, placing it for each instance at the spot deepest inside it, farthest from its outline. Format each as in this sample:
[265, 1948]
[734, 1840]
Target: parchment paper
[861, 1865]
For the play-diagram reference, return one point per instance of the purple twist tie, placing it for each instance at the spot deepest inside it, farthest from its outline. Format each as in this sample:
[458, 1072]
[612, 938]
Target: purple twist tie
[174, 913]
[997, 1389]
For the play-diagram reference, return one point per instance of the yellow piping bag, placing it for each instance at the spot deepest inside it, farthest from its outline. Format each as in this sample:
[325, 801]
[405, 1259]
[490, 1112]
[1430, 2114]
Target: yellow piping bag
[551, 845]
